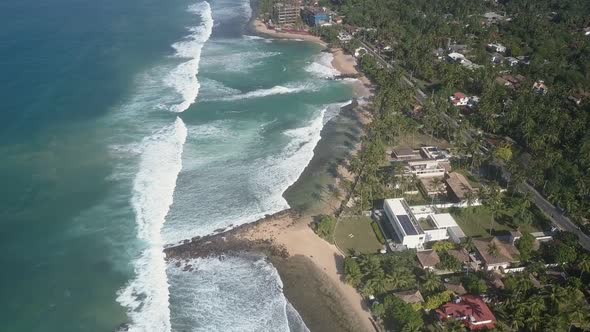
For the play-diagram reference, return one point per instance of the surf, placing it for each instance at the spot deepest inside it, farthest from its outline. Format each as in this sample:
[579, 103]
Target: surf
[146, 297]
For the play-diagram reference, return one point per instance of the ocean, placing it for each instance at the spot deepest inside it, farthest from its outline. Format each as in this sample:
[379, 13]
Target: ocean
[127, 126]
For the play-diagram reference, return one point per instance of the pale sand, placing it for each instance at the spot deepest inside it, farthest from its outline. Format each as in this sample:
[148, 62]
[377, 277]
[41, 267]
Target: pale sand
[299, 239]
[262, 29]
[296, 235]
[346, 65]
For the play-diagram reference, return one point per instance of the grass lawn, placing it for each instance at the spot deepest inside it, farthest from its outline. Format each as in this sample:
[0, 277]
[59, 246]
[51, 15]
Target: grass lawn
[415, 140]
[363, 237]
[475, 222]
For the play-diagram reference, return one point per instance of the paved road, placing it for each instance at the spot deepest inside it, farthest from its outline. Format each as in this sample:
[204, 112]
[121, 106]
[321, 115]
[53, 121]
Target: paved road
[561, 221]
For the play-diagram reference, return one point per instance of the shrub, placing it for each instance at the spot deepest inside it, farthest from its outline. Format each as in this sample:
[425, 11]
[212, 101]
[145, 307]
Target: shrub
[324, 228]
[378, 232]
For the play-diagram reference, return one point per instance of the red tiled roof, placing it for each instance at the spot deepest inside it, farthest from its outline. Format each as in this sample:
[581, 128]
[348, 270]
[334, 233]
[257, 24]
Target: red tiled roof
[472, 310]
[459, 95]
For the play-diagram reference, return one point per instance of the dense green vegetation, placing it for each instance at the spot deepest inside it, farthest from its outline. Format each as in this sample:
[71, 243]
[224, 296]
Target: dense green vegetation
[324, 227]
[550, 129]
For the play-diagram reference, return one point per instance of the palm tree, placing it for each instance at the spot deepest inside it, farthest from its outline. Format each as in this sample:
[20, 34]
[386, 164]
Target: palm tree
[431, 282]
[493, 200]
[584, 264]
[493, 249]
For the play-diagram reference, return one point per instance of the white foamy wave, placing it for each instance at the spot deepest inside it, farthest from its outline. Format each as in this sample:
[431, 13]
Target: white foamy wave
[236, 61]
[276, 90]
[334, 109]
[322, 66]
[146, 297]
[183, 78]
[221, 302]
[278, 173]
[248, 37]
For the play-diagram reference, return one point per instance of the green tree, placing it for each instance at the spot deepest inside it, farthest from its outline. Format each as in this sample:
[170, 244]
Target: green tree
[325, 227]
[431, 282]
[525, 246]
[436, 300]
[584, 264]
[352, 271]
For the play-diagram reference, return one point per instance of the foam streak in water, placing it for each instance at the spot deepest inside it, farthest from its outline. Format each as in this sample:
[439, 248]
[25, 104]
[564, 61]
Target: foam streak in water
[276, 90]
[146, 296]
[184, 77]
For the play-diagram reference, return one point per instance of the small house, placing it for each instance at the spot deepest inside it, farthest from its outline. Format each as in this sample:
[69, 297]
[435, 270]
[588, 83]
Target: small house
[512, 62]
[428, 259]
[471, 310]
[459, 99]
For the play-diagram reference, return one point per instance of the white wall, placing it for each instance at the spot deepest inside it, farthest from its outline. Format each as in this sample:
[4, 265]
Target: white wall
[436, 234]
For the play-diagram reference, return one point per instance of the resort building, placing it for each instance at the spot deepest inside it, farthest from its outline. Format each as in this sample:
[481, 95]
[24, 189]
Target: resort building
[405, 154]
[413, 232]
[459, 99]
[425, 168]
[471, 310]
[497, 47]
[434, 152]
[285, 13]
[315, 16]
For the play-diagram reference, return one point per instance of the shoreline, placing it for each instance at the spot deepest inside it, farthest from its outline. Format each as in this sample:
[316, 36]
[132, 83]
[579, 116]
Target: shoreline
[310, 268]
[342, 62]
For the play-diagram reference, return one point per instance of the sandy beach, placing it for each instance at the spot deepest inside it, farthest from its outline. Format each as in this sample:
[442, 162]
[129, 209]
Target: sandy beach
[310, 267]
[262, 29]
[344, 63]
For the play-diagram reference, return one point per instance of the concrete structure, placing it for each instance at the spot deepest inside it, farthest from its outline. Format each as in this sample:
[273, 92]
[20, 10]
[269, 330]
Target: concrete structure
[471, 310]
[512, 61]
[455, 57]
[405, 154]
[285, 13]
[404, 223]
[446, 222]
[425, 168]
[413, 234]
[315, 16]
[497, 47]
[434, 152]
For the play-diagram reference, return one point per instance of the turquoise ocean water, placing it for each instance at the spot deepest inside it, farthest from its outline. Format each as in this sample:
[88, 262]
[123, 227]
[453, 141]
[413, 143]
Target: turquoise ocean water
[129, 125]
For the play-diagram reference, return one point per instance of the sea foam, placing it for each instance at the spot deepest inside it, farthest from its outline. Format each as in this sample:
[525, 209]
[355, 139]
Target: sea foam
[275, 90]
[184, 77]
[322, 66]
[146, 297]
[214, 297]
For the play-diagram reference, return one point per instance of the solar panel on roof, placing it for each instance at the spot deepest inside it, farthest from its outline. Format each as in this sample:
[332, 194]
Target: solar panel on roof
[404, 220]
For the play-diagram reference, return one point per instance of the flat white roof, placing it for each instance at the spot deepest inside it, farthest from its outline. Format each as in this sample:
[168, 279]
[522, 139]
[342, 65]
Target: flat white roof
[396, 206]
[422, 211]
[443, 220]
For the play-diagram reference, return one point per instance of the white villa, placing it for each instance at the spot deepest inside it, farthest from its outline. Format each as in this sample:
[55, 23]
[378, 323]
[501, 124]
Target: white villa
[414, 233]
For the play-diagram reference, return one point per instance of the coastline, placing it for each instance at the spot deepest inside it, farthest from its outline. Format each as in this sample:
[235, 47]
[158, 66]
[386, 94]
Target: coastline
[310, 267]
